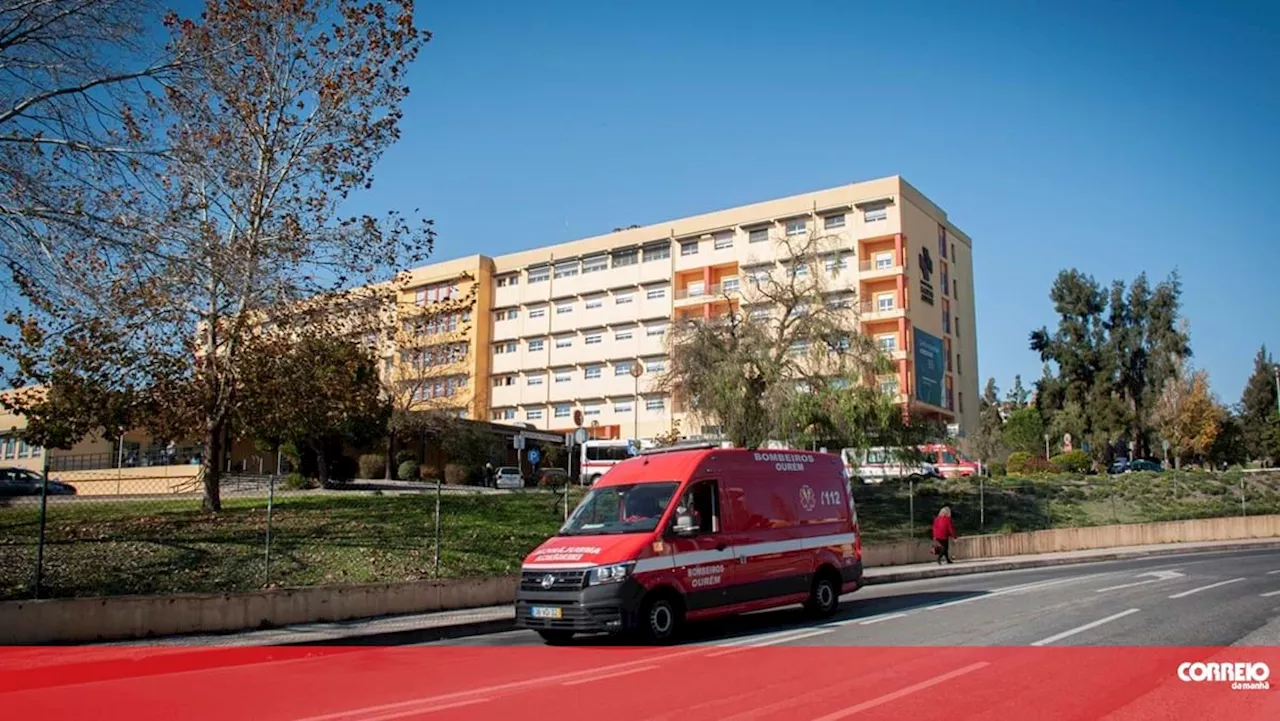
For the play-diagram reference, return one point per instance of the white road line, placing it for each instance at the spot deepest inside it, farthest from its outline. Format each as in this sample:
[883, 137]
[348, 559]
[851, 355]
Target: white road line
[1269, 595]
[881, 700]
[1184, 594]
[1272, 573]
[878, 619]
[1082, 629]
[593, 679]
[422, 711]
[1034, 586]
[771, 642]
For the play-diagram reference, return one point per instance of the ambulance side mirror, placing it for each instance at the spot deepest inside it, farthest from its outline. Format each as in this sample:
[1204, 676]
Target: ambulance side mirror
[684, 525]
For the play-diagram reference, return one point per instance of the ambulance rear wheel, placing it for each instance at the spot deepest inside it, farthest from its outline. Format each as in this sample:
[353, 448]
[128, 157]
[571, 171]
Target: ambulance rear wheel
[660, 619]
[556, 638]
[824, 597]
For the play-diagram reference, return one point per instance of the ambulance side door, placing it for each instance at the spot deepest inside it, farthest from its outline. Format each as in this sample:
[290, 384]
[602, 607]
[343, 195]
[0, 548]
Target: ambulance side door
[703, 559]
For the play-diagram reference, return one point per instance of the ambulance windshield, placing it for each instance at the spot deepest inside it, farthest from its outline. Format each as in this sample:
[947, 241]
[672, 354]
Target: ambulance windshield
[634, 508]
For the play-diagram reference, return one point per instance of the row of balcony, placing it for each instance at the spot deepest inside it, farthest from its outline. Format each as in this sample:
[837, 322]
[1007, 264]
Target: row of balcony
[576, 388]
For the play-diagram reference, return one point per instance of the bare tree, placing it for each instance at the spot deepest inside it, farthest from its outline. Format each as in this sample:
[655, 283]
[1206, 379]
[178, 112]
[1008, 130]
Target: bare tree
[787, 358]
[278, 111]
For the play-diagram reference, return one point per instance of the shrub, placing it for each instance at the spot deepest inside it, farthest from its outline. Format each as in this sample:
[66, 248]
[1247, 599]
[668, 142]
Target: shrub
[1072, 461]
[408, 470]
[996, 468]
[403, 457]
[1017, 462]
[1036, 464]
[373, 465]
[456, 474]
[298, 482]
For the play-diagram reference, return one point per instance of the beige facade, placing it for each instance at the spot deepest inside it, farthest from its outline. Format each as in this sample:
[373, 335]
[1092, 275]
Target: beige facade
[566, 323]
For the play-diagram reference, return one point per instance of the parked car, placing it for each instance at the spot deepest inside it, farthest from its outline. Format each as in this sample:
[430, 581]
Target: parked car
[1124, 465]
[508, 477]
[552, 478]
[22, 482]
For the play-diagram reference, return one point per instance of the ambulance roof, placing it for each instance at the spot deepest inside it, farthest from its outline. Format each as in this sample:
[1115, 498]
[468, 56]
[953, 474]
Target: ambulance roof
[680, 464]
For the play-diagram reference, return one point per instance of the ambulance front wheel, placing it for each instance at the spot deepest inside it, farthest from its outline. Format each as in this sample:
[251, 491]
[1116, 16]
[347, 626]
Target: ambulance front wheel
[556, 638]
[660, 619]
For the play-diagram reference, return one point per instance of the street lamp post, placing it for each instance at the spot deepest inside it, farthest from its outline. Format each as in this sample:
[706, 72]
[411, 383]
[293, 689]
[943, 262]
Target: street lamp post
[637, 370]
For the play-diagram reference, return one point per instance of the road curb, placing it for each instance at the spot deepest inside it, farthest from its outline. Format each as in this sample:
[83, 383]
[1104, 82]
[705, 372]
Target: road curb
[1015, 565]
[403, 637]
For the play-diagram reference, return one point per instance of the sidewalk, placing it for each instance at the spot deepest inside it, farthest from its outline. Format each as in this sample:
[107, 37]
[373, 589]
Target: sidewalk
[426, 627]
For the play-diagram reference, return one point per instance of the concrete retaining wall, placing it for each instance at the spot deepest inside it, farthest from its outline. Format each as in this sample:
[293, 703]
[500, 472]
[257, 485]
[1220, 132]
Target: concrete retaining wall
[79, 620]
[1080, 539]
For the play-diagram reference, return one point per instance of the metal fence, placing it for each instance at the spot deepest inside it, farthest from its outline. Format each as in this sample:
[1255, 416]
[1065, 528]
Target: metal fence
[143, 531]
[903, 509]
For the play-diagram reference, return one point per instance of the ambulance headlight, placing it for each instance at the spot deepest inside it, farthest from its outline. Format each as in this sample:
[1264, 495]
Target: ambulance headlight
[616, 573]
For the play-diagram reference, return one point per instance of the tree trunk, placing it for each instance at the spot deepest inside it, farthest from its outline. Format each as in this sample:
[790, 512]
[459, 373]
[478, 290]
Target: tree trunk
[211, 462]
[391, 456]
[322, 465]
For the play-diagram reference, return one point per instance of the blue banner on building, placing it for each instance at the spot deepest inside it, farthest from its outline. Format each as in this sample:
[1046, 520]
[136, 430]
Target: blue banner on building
[929, 362]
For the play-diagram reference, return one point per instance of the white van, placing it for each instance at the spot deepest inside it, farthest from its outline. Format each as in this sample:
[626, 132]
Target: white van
[875, 465]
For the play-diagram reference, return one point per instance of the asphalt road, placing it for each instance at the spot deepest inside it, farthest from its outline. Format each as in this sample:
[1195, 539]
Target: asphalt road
[1203, 599]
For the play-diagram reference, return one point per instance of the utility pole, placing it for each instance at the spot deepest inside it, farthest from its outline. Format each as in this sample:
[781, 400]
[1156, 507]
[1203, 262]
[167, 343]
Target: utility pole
[1276, 369]
[636, 371]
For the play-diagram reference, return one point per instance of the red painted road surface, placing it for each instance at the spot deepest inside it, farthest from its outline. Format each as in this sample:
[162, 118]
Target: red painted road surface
[687, 683]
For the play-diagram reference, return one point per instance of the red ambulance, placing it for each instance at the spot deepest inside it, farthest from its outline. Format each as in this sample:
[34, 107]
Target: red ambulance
[689, 533]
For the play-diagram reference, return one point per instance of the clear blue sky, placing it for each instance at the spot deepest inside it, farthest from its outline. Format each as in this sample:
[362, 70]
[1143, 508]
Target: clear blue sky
[1110, 136]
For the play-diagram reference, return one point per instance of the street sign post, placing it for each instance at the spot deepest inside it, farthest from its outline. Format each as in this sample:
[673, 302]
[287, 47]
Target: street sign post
[534, 456]
[580, 436]
[577, 418]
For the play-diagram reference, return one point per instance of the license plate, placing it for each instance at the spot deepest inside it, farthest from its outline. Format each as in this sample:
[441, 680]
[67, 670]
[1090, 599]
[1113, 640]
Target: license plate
[546, 612]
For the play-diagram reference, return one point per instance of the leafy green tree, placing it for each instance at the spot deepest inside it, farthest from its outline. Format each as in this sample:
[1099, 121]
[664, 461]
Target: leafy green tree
[1258, 409]
[988, 442]
[1024, 431]
[1018, 395]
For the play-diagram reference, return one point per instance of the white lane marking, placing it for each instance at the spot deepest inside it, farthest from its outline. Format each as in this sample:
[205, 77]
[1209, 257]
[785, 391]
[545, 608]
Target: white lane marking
[1082, 629]
[1184, 594]
[1034, 586]
[1272, 573]
[421, 711]
[1269, 595]
[593, 679]
[771, 642]
[1159, 576]
[878, 619]
[409, 707]
[881, 700]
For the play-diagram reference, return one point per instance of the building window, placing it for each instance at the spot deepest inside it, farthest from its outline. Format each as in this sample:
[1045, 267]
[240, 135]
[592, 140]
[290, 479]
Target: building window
[622, 335]
[622, 369]
[564, 309]
[888, 343]
[539, 275]
[957, 326]
[502, 315]
[595, 303]
[594, 338]
[507, 280]
[758, 313]
[626, 257]
[595, 265]
[564, 342]
[533, 414]
[835, 265]
[801, 270]
[655, 330]
[730, 285]
[591, 410]
[538, 312]
[623, 299]
[656, 294]
[696, 288]
[536, 380]
[884, 302]
[953, 250]
[562, 411]
[723, 241]
[622, 407]
[591, 373]
[942, 241]
[654, 367]
[960, 401]
[959, 370]
[798, 347]
[757, 235]
[874, 213]
[797, 226]
[657, 252]
[889, 387]
[500, 381]
[502, 348]
[689, 247]
[655, 404]
[833, 221]
[955, 288]
[946, 279]
[884, 261]
[536, 345]
[566, 270]
[563, 377]
[503, 414]
[946, 316]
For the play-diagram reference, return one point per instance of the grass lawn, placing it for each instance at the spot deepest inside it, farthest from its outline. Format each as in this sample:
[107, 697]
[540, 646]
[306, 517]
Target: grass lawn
[111, 547]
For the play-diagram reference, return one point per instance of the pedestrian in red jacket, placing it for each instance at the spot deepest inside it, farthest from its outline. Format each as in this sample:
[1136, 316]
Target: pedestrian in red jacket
[943, 532]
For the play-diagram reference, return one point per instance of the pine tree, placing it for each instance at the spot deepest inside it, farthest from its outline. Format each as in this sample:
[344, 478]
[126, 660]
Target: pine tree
[1258, 409]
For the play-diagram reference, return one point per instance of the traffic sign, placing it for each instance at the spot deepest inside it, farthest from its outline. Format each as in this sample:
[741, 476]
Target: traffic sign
[577, 418]
[580, 436]
[534, 455]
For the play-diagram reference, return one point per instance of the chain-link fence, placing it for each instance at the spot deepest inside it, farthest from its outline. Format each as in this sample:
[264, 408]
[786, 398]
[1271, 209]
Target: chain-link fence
[126, 531]
[142, 530]
[901, 509]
